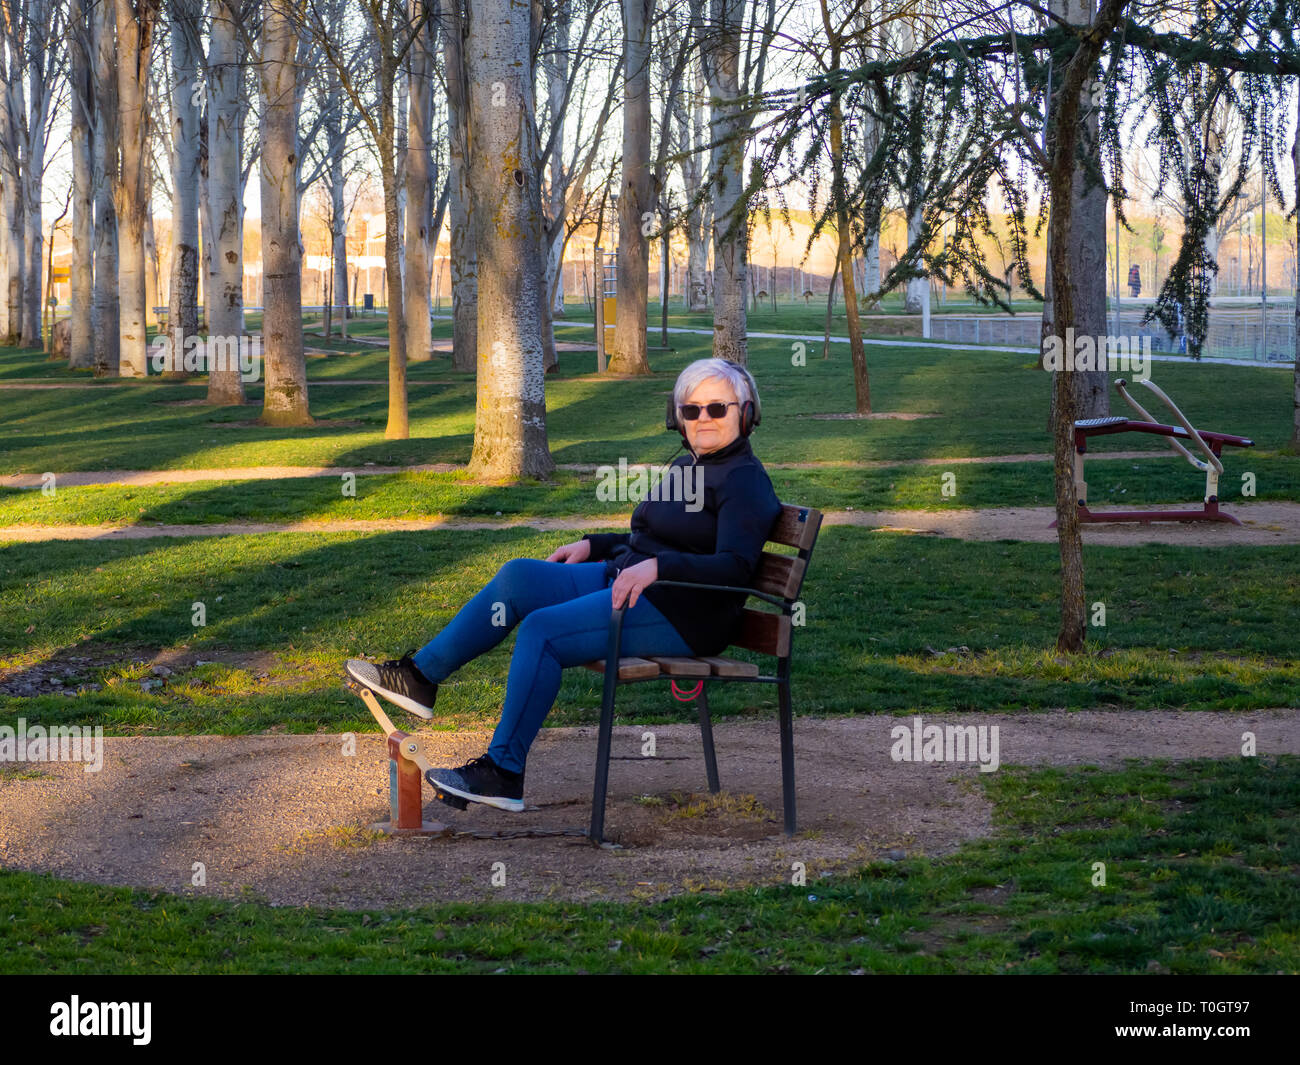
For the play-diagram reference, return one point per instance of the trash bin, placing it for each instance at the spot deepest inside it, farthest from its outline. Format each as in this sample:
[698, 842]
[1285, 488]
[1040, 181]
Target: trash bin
[370, 301]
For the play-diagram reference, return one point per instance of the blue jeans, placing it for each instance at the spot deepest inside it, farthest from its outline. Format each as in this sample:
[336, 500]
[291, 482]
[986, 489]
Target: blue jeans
[562, 610]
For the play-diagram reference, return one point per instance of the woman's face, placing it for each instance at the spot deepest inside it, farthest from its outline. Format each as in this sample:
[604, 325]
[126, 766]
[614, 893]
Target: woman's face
[707, 434]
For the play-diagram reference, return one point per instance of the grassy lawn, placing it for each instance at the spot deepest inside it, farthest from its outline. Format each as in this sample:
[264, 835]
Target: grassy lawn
[987, 403]
[453, 495]
[1200, 866]
[1185, 627]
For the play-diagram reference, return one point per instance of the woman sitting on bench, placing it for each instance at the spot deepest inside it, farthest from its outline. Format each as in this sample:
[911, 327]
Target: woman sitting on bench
[711, 533]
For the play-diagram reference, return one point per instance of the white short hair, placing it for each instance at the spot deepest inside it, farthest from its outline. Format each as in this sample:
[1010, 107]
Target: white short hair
[704, 369]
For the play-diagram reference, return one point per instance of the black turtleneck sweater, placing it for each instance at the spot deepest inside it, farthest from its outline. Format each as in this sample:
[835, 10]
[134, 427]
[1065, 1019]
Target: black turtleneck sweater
[718, 544]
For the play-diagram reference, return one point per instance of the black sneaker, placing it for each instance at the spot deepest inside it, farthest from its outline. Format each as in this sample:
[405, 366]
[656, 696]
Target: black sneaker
[481, 780]
[398, 681]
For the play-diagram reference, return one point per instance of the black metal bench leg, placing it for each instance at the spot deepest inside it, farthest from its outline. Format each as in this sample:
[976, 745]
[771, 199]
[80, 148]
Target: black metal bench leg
[706, 732]
[787, 745]
[604, 742]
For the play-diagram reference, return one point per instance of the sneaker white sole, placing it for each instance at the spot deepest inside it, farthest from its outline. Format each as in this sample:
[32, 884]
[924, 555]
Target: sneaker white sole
[515, 806]
[397, 699]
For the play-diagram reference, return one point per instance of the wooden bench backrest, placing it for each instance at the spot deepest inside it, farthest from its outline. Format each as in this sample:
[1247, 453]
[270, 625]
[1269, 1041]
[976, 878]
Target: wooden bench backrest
[780, 575]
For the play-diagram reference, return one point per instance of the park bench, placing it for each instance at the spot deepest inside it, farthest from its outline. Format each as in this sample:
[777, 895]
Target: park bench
[777, 581]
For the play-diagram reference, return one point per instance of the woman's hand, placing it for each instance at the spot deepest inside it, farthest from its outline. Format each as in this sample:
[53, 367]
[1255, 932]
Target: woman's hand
[578, 551]
[631, 581]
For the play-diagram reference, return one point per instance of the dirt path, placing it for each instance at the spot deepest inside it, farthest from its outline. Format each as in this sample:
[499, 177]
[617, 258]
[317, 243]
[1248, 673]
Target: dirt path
[285, 817]
[1265, 524]
[73, 478]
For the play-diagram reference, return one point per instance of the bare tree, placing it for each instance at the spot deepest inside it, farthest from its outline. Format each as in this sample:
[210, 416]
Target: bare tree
[285, 396]
[510, 417]
[228, 172]
[692, 145]
[106, 311]
[463, 250]
[419, 184]
[136, 22]
[183, 298]
[81, 350]
[394, 32]
[721, 59]
[11, 200]
[635, 205]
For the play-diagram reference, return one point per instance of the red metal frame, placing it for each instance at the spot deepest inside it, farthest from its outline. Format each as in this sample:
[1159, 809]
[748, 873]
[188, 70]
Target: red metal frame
[1109, 427]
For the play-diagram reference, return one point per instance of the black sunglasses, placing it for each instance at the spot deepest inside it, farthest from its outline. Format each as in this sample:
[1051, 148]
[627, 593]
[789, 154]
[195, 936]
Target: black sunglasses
[717, 411]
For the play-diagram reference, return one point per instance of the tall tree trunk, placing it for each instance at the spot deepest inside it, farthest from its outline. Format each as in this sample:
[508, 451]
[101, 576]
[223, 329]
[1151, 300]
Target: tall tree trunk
[1062, 154]
[419, 191]
[183, 301]
[635, 204]
[462, 251]
[105, 312]
[285, 397]
[839, 191]
[916, 293]
[1086, 256]
[730, 207]
[39, 20]
[81, 354]
[398, 427]
[555, 221]
[136, 20]
[225, 202]
[1294, 444]
[510, 418]
[11, 198]
[698, 207]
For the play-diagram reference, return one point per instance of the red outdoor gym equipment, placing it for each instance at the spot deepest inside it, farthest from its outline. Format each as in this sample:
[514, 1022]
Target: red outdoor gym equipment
[1211, 444]
[406, 768]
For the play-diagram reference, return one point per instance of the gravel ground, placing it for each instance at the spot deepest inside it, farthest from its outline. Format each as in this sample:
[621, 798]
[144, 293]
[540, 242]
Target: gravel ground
[284, 819]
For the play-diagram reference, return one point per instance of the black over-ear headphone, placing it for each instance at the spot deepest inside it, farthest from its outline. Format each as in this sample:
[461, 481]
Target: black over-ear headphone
[751, 410]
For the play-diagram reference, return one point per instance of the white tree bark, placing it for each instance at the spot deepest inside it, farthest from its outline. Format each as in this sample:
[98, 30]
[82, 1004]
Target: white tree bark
[698, 221]
[462, 248]
[225, 199]
[510, 417]
[419, 190]
[635, 204]
[1295, 422]
[105, 310]
[136, 22]
[183, 301]
[285, 395]
[557, 74]
[721, 55]
[43, 24]
[11, 225]
[81, 355]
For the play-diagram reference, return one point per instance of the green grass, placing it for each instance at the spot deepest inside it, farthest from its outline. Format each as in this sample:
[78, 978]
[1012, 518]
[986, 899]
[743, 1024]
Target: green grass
[989, 403]
[1200, 877]
[1185, 627]
[429, 495]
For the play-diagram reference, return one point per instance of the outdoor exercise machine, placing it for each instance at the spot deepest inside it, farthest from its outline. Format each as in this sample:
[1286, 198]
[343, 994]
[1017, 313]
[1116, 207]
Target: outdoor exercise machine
[1211, 445]
[407, 764]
